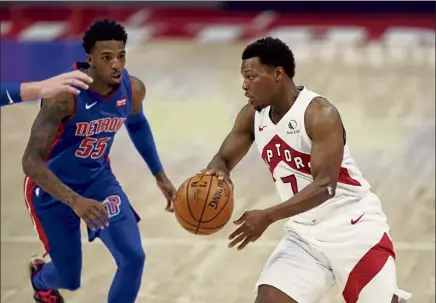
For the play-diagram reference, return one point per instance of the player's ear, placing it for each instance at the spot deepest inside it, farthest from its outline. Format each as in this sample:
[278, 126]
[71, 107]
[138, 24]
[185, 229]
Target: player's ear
[89, 59]
[278, 73]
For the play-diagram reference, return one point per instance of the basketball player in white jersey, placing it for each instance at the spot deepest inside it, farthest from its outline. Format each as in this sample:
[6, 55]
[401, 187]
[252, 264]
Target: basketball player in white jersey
[336, 231]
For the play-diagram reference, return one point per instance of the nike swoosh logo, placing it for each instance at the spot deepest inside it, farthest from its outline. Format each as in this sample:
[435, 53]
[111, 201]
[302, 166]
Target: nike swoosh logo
[9, 97]
[357, 220]
[262, 127]
[88, 106]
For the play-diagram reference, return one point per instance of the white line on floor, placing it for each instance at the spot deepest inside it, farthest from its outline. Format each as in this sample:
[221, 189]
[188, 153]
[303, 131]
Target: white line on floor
[203, 242]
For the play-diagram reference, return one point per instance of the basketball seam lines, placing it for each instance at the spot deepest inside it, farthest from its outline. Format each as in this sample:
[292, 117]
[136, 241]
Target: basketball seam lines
[205, 204]
[187, 199]
[195, 228]
[189, 210]
[222, 208]
[191, 224]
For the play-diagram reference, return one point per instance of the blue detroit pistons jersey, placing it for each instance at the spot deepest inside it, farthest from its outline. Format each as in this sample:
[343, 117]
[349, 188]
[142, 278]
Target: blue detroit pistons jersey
[80, 151]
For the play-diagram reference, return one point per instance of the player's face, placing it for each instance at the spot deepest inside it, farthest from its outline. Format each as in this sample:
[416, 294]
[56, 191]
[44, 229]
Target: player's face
[260, 82]
[108, 60]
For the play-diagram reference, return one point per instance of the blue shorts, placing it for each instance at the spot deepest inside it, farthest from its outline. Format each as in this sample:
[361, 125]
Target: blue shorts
[58, 226]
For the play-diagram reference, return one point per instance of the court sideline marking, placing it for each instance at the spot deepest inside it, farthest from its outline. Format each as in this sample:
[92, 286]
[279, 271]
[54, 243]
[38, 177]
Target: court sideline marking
[202, 242]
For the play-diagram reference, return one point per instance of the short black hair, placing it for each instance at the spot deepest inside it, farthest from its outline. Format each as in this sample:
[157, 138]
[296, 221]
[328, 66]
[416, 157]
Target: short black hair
[103, 30]
[271, 52]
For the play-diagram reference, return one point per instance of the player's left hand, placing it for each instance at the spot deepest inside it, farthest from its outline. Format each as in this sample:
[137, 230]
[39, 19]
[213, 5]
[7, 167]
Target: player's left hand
[65, 82]
[168, 190]
[254, 223]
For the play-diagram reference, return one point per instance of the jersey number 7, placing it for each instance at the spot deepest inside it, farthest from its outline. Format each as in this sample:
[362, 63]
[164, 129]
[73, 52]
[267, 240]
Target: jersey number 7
[292, 180]
[92, 147]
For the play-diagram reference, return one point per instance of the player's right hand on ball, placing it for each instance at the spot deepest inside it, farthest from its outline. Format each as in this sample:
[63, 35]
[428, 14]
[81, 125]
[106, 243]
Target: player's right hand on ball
[94, 213]
[219, 173]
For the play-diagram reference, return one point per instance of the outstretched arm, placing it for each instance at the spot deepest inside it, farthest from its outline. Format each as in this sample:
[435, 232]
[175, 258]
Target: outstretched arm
[140, 131]
[15, 92]
[142, 137]
[237, 143]
[42, 134]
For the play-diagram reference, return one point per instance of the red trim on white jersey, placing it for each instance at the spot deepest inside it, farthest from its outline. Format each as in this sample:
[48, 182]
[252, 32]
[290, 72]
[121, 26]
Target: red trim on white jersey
[297, 160]
[367, 268]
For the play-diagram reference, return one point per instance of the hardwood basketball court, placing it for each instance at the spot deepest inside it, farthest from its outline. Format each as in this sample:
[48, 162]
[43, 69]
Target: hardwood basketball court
[386, 99]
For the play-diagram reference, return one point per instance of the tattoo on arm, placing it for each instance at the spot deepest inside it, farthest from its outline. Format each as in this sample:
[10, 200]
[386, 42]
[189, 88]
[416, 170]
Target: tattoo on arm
[42, 135]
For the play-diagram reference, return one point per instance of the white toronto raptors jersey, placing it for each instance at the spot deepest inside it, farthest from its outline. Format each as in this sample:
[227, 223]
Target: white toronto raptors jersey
[285, 147]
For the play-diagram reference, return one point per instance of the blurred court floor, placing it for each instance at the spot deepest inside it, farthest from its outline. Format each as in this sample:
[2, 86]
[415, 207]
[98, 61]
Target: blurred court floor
[387, 101]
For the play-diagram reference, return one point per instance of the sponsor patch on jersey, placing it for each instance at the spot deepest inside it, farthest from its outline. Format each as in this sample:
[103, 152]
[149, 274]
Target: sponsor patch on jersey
[121, 102]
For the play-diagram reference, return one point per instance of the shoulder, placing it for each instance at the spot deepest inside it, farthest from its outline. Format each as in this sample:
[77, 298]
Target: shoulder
[138, 93]
[245, 118]
[320, 106]
[138, 88]
[62, 105]
[247, 112]
[321, 114]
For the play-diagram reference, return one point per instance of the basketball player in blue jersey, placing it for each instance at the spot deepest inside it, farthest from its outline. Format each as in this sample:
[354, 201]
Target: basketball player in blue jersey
[68, 175]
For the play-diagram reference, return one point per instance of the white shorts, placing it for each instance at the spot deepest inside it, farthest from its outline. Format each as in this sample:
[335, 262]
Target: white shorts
[359, 258]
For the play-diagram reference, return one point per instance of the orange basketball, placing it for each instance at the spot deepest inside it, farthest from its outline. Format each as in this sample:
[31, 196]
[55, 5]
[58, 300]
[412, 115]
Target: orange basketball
[203, 204]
